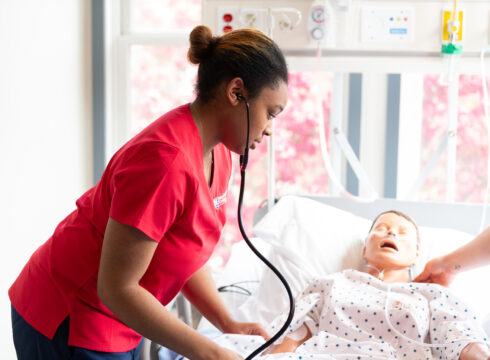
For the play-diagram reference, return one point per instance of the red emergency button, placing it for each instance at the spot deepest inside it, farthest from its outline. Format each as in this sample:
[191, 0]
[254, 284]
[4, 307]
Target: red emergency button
[227, 28]
[228, 17]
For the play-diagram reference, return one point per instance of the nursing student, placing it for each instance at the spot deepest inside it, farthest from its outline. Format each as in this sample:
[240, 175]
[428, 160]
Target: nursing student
[145, 231]
[442, 270]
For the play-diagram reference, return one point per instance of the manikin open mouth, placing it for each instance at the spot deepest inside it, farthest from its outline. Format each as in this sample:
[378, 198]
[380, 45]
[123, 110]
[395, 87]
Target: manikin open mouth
[389, 244]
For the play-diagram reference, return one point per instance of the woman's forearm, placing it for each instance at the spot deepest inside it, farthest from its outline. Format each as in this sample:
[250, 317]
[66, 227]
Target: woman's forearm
[474, 254]
[126, 255]
[201, 291]
[141, 311]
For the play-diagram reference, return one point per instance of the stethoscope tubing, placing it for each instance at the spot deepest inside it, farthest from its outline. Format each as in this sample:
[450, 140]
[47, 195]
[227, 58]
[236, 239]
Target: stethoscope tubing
[243, 166]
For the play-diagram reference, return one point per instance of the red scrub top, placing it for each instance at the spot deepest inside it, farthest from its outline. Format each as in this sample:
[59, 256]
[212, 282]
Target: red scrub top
[155, 183]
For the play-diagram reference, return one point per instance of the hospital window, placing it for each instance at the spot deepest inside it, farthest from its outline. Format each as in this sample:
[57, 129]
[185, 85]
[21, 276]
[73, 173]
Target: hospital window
[160, 16]
[160, 78]
[472, 143]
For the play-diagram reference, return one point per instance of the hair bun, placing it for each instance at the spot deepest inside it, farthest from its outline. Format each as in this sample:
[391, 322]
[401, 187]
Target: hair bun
[202, 44]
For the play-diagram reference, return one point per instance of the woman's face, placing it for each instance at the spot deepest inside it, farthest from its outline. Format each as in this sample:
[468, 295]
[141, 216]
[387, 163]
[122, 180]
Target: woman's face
[263, 109]
[392, 242]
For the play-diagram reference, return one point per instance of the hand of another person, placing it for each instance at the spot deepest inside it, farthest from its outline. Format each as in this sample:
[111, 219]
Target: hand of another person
[437, 271]
[244, 328]
[475, 351]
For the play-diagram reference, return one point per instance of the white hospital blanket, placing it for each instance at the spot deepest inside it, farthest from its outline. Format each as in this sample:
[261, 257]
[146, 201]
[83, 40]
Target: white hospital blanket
[346, 315]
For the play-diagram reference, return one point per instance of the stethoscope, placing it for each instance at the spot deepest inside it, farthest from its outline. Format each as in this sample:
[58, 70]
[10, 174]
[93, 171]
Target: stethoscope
[243, 166]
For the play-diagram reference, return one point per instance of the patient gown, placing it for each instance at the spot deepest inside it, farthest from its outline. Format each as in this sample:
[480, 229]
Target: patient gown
[353, 315]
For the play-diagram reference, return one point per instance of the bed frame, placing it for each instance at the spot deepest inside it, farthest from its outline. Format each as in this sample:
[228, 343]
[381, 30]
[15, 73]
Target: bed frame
[460, 216]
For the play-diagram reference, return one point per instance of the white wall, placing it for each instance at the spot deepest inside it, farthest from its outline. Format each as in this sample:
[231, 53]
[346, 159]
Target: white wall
[45, 128]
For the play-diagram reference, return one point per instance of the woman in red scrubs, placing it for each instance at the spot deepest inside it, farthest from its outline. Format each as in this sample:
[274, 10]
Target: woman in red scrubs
[146, 230]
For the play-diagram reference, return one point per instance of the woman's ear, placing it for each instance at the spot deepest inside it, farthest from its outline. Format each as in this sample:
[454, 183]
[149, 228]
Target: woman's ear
[235, 86]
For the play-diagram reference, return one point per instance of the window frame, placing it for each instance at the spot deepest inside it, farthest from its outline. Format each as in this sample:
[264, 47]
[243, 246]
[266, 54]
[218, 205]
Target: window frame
[119, 39]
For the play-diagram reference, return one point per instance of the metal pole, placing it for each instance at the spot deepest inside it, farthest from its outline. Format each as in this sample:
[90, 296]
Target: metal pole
[336, 127]
[452, 136]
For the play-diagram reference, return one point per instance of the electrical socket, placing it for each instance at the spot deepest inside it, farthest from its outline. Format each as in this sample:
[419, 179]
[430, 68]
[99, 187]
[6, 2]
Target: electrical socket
[227, 17]
[249, 17]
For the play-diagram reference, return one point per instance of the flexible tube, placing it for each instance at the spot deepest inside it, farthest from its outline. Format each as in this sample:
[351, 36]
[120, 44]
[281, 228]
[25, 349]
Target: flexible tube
[326, 157]
[243, 166]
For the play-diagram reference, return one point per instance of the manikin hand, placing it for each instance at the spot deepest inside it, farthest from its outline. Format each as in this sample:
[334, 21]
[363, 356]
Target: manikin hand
[475, 351]
[437, 271]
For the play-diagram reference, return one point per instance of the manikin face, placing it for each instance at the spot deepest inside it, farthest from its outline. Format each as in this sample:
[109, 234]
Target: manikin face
[263, 109]
[392, 243]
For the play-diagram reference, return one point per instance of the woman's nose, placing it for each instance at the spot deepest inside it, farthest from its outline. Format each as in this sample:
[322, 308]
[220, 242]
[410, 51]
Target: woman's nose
[391, 232]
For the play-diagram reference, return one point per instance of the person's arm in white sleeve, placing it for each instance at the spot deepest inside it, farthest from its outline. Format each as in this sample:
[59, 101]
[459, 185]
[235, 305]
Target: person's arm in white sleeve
[308, 308]
[453, 326]
[292, 341]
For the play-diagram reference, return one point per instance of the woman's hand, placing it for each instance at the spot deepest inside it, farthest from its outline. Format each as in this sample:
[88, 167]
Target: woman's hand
[475, 351]
[438, 271]
[236, 327]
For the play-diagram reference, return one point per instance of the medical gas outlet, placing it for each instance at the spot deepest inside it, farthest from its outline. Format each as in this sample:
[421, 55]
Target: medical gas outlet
[320, 21]
[452, 32]
[231, 18]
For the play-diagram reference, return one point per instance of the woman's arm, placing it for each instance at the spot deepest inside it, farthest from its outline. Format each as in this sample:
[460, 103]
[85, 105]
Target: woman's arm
[126, 254]
[201, 291]
[474, 254]
[442, 270]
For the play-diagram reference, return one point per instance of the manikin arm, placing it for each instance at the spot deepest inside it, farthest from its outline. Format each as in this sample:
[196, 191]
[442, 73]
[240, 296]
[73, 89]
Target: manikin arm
[291, 343]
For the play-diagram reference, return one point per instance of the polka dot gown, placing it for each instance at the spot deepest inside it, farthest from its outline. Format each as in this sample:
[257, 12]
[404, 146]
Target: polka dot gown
[353, 315]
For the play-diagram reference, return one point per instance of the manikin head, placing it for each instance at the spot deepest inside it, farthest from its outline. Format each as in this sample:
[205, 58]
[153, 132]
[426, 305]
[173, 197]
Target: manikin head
[392, 243]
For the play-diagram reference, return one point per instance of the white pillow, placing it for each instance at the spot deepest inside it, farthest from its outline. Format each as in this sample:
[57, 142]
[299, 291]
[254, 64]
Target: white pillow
[310, 239]
[321, 238]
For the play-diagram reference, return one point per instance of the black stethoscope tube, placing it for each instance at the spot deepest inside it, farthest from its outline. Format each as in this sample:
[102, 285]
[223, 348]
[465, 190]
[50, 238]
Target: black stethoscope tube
[243, 166]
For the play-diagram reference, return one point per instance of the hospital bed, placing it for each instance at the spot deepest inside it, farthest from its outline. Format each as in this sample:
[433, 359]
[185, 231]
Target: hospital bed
[311, 236]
